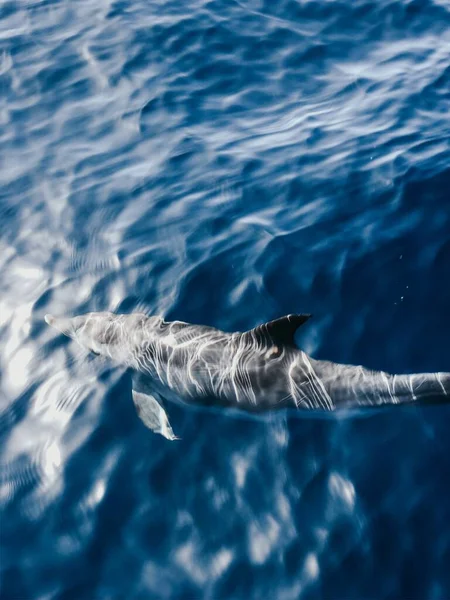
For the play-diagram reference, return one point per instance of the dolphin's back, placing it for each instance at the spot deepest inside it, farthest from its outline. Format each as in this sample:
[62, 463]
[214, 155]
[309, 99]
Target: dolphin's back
[263, 369]
[206, 364]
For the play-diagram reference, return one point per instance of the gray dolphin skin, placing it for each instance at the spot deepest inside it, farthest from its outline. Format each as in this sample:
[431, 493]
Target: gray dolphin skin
[261, 369]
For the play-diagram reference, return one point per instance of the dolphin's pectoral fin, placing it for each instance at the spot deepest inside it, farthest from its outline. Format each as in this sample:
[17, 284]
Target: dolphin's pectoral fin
[278, 332]
[153, 415]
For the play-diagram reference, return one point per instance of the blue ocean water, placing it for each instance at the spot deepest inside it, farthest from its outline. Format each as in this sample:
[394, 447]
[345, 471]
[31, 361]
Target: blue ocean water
[223, 162]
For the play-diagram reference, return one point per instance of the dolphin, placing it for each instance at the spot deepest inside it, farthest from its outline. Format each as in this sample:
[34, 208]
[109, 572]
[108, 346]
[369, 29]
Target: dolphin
[257, 370]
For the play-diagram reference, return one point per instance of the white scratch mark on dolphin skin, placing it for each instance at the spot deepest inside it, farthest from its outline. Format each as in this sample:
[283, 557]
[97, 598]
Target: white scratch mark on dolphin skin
[385, 377]
[191, 369]
[244, 372]
[315, 393]
[295, 391]
[169, 359]
[417, 388]
[359, 390]
[438, 377]
[412, 388]
[315, 396]
[233, 369]
[394, 378]
[327, 402]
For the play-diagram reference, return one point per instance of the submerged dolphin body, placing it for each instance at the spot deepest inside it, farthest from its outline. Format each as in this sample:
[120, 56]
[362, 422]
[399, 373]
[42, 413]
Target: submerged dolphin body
[258, 370]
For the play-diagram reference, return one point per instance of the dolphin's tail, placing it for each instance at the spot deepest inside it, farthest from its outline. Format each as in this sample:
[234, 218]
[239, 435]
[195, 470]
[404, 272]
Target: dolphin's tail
[348, 386]
[425, 387]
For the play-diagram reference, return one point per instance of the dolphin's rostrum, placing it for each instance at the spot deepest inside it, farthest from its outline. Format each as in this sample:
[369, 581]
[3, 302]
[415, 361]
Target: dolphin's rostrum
[258, 370]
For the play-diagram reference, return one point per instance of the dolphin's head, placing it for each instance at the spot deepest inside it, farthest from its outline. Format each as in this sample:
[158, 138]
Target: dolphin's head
[103, 333]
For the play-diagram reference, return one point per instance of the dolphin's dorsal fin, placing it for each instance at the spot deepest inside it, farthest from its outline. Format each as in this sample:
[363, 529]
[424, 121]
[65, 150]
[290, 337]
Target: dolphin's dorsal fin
[280, 331]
